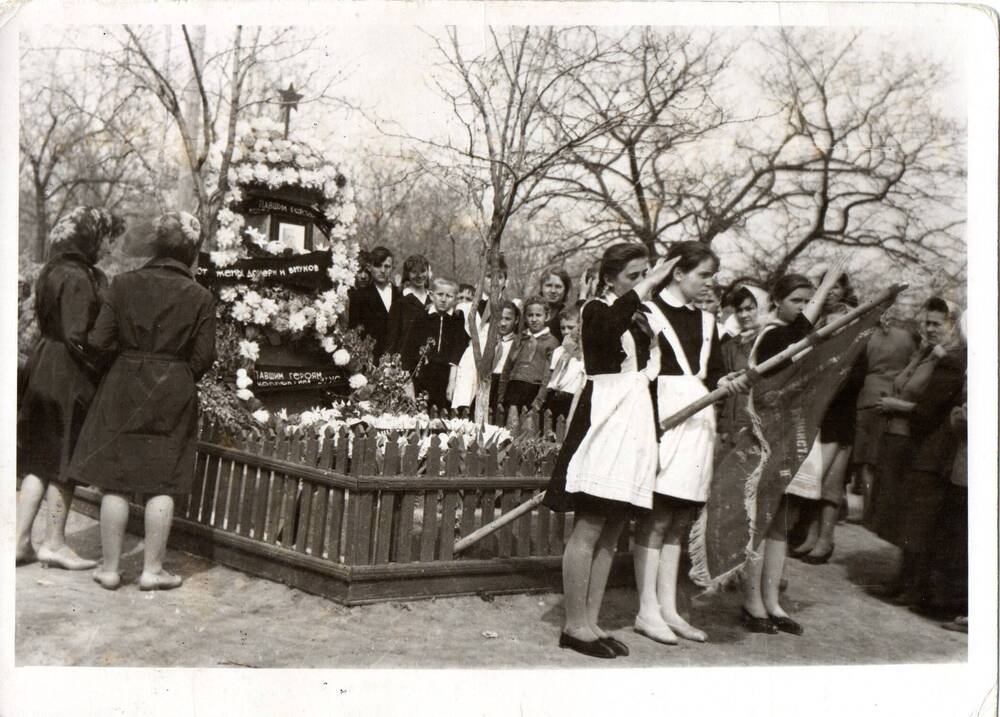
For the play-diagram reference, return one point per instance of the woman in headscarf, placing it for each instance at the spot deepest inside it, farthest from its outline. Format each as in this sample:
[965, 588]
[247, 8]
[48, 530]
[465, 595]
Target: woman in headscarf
[61, 377]
[157, 329]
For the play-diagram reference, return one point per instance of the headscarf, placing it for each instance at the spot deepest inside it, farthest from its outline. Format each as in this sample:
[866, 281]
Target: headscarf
[81, 232]
[173, 235]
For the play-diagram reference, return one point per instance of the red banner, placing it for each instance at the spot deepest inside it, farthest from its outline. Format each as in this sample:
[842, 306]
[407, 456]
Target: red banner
[750, 477]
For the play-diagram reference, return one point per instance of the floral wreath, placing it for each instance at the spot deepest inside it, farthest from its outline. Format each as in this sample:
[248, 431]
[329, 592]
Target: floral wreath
[263, 158]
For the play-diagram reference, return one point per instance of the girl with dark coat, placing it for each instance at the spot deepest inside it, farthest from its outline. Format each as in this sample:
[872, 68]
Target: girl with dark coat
[60, 380]
[157, 330]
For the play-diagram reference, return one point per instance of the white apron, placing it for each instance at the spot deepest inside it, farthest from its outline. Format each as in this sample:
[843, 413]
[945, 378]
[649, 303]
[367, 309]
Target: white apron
[617, 458]
[808, 480]
[686, 451]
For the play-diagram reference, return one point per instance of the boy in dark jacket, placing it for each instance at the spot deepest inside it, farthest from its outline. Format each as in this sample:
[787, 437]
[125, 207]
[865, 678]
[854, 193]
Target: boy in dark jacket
[441, 330]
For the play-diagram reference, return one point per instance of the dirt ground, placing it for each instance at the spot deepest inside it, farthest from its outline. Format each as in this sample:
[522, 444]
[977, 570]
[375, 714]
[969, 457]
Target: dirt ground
[221, 617]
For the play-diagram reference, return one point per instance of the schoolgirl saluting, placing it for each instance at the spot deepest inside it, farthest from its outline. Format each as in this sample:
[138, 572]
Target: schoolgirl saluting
[691, 366]
[607, 462]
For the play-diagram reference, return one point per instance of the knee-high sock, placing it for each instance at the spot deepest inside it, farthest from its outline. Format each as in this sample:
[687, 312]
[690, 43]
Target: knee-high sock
[666, 581]
[647, 569]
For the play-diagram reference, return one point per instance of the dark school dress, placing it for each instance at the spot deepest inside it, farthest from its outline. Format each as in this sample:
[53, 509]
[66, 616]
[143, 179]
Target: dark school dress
[779, 338]
[553, 324]
[600, 356]
[400, 320]
[839, 421]
[448, 340]
[157, 328]
[61, 373]
[367, 310]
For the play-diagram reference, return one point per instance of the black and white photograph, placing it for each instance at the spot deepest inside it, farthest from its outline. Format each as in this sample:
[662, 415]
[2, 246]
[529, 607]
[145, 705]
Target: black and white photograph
[482, 350]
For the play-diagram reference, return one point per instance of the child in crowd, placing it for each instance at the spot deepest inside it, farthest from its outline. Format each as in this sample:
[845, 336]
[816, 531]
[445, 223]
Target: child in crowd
[465, 294]
[525, 376]
[567, 374]
[443, 330]
[467, 381]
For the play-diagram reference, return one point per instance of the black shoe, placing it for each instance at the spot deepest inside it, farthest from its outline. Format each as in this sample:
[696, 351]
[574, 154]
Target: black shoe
[818, 559]
[786, 624]
[757, 624]
[620, 648]
[593, 648]
[934, 612]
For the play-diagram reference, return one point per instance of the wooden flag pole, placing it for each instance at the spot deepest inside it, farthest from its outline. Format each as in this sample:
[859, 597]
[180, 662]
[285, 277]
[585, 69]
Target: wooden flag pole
[800, 348]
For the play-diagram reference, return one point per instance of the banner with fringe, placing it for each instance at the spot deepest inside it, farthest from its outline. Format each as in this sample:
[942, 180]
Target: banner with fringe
[753, 471]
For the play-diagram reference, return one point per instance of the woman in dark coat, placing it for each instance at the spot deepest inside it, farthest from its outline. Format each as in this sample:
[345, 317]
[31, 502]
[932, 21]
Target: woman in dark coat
[60, 380]
[157, 328]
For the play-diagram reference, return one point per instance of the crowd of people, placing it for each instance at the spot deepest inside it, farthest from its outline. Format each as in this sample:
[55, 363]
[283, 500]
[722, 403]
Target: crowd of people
[107, 398]
[894, 432]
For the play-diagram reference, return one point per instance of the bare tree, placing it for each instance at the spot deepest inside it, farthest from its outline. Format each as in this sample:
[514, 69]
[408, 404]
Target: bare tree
[871, 163]
[507, 102]
[69, 150]
[845, 149]
[229, 80]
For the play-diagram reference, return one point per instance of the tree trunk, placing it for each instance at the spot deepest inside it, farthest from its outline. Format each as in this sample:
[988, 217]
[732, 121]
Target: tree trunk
[186, 197]
[41, 224]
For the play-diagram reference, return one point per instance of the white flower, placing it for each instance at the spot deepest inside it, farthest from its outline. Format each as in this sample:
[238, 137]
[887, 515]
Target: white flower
[241, 312]
[341, 357]
[321, 323]
[223, 259]
[273, 157]
[261, 172]
[258, 157]
[287, 155]
[260, 316]
[262, 415]
[348, 213]
[237, 154]
[244, 394]
[244, 381]
[357, 381]
[298, 321]
[252, 299]
[249, 350]
[274, 247]
[245, 173]
[329, 345]
[228, 294]
[225, 237]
